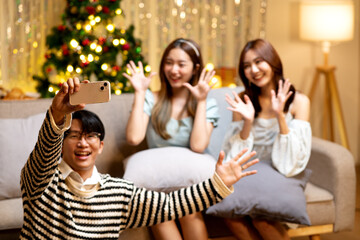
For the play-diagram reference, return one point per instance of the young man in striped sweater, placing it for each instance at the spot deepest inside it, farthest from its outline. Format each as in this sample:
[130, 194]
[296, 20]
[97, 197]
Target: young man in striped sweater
[69, 199]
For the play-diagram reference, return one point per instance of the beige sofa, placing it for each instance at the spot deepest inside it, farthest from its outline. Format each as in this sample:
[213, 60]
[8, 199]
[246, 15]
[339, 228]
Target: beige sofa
[330, 193]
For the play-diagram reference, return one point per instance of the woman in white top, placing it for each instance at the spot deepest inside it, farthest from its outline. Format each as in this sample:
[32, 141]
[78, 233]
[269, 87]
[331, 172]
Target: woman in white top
[271, 118]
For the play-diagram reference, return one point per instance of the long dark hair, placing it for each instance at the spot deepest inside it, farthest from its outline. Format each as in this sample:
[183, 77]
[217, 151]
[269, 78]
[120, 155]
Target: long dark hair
[268, 53]
[161, 112]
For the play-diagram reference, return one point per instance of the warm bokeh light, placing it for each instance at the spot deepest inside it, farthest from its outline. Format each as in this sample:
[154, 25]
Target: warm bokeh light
[209, 66]
[116, 42]
[118, 11]
[216, 80]
[88, 27]
[110, 27]
[93, 46]
[104, 67]
[74, 43]
[70, 68]
[98, 49]
[90, 58]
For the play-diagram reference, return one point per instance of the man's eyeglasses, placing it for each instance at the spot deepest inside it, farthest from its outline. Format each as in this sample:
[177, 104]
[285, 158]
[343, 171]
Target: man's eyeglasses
[77, 136]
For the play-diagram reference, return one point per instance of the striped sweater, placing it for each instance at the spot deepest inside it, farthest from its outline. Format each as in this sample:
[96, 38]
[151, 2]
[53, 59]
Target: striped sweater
[53, 209]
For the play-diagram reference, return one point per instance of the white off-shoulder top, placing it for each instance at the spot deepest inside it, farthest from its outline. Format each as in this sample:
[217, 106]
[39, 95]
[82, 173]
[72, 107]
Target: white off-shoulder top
[289, 153]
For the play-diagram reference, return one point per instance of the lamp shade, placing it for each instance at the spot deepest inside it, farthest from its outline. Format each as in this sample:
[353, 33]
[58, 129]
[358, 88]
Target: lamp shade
[327, 20]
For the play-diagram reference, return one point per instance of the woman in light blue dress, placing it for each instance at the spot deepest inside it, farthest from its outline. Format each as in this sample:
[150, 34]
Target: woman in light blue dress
[271, 118]
[178, 115]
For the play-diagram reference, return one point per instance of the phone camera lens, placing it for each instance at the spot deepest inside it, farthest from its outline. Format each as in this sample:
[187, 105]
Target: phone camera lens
[102, 88]
[105, 84]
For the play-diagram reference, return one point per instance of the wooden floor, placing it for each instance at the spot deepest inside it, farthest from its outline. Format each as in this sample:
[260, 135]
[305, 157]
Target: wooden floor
[353, 235]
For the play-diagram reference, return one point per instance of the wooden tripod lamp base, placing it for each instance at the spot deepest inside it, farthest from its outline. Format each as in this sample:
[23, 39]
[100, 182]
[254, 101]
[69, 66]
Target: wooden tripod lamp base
[331, 100]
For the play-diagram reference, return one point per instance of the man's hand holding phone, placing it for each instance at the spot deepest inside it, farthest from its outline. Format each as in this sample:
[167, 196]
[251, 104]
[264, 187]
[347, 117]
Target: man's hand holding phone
[64, 102]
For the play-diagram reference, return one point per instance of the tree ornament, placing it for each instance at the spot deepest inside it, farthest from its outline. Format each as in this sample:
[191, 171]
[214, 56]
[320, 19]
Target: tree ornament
[61, 28]
[126, 47]
[90, 10]
[106, 10]
[85, 42]
[74, 10]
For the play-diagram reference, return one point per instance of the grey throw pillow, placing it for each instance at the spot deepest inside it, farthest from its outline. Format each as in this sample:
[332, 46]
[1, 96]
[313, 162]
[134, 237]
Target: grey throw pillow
[268, 195]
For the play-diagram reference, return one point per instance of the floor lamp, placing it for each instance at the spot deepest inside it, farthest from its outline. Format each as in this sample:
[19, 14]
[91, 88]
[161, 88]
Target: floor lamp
[328, 22]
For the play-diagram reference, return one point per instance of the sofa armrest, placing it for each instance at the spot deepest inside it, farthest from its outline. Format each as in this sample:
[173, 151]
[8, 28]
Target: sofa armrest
[333, 168]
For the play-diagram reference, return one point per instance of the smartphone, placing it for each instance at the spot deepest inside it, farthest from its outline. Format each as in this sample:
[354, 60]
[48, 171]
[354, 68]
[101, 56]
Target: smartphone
[92, 92]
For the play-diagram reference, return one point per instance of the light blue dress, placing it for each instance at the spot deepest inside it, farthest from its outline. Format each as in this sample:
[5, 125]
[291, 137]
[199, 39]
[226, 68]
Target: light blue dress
[179, 130]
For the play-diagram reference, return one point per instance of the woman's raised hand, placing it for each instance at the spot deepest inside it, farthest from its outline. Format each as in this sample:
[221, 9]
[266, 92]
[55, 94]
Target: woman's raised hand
[279, 99]
[244, 108]
[233, 170]
[201, 90]
[137, 78]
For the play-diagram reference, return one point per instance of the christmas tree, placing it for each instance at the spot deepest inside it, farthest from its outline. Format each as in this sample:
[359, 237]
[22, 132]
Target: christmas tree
[91, 43]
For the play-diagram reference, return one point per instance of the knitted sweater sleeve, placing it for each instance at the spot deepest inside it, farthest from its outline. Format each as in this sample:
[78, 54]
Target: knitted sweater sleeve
[149, 207]
[41, 164]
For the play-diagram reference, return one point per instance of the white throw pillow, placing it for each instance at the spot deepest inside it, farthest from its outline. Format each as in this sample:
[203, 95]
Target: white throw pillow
[17, 139]
[168, 168]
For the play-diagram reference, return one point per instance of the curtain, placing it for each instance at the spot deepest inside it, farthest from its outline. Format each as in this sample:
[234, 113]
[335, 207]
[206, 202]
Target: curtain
[221, 27]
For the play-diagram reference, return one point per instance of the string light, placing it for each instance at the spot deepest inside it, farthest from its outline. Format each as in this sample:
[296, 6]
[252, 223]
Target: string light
[82, 58]
[209, 66]
[97, 19]
[74, 43]
[78, 26]
[93, 46]
[98, 49]
[110, 27]
[216, 82]
[104, 67]
[116, 42]
[118, 11]
[90, 57]
[147, 68]
[88, 27]
[70, 68]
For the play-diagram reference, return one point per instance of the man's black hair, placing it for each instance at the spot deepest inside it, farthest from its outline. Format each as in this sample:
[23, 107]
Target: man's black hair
[90, 122]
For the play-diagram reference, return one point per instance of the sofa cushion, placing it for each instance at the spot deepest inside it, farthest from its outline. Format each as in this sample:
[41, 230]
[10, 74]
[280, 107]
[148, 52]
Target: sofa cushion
[320, 205]
[168, 168]
[267, 194]
[11, 212]
[314, 194]
[17, 137]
